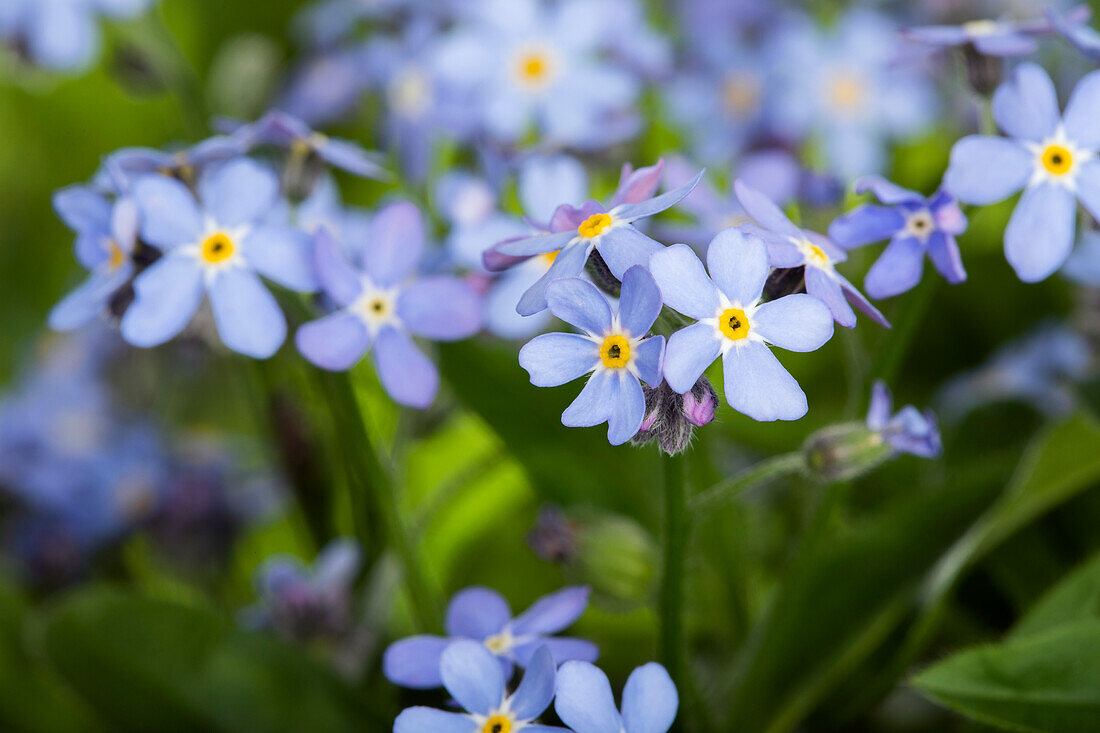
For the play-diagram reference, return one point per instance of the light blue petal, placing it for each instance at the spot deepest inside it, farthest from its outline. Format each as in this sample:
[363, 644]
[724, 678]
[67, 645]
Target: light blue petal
[335, 273]
[579, 303]
[284, 255]
[1026, 105]
[536, 690]
[246, 314]
[441, 308]
[546, 182]
[87, 301]
[557, 358]
[569, 263]
[757, 385]
[798, 322]
[1039, 236]
[685, 286]
[501, 318]
[1006, 44]
[688, 354]
[408, 376]
[649, 360]
[62, 35]
[336, 342]
[886, 191]
[125, 223]
[945, 256]
[336, 566]
[351, 157]
[166, 297]
[83, 209]
[396, 244]
[1088, 186]
[627, 409]
[639, 302]
[169, 214]
[477, 613]
[537, 245]
[624, 247]
[650, 701]
[859, 300]
[592, 405]
[738, 264]
[866, 224]
[633, 212]
[763, 211]
[554, 612]
[414, 662]
[985, 169]
[472, 676]
[829, 291]
[584, 700]
[897, 270]
[430, 720]
[238, 192]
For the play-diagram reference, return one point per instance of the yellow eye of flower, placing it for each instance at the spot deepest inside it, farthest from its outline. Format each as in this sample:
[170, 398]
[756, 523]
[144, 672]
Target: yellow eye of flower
[115, 255]
[814, 255]
[740, 94]
[734, 324]
[846, 92]
[498, 644]
[497, 724]
[1057, 160]
[217, 248]
[533, 67]
[615, 352]
[594, 225]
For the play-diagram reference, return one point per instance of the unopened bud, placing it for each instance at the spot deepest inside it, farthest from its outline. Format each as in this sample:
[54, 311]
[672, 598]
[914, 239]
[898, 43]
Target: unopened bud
[785, 281]
[843, 452]
[554, 536]
[701, 403]
[601, 275]
[670, 418]
[983, 72]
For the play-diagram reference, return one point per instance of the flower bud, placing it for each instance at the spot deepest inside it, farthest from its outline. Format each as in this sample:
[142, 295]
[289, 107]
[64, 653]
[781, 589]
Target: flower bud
[670, 418]
[843, 452]
[983, 72]
[554, 536]
[785, 281]
[602, 276]
[701, 403]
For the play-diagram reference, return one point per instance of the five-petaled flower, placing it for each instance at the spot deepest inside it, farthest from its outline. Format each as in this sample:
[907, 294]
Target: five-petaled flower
[733, 323]
[915, 225]
[586, 704]
[907, 431]
[614, 348]
[1051, 157]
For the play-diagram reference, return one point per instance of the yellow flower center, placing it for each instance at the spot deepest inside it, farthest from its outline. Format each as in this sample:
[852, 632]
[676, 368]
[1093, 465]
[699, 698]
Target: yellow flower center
[499, 644]
[115, 255]
[740, 94]
[615, 352]
[846, 92]
[497, 724]
[376, 308]
[1057, 159]
[217, 248]
[734, 324]
[594, 225]
[981, 27]
[815, 256]
[549, 257]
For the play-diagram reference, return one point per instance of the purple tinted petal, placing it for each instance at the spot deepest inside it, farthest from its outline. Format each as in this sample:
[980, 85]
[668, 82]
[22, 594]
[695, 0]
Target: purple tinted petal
[562, 648]
[1005, 44]
[757, 385]
[537, 245]
[948, 216]
[633, 212]
[536, 690]
[640, 301]
[351, 157]
[635, 186]
[396, 245]
[649, 360]
[284, 255]
[886, 191]
[579, 303]
[584, 699]
[763, 211]
[857, 299]
[738, 264]
[684, 284]
[336, 342]
[624, 247]
[986, 169]
[408, 376]
[166, 297]
[552, 613]
[650, 700]
[247, 316]
[430, 720]
[866, 224]
[688, 353]
[592, 405]
[627, 409]
[828, 290]
[477, 613]
[797, 322]
[944, 252]
[1039, 236]
[441, 308]
[238, 192]
[568, 264]
[472, 676]
[878, 412]
[1026, 105]
[897, 269]
[335, 273]
[557, 358]
[169, 214]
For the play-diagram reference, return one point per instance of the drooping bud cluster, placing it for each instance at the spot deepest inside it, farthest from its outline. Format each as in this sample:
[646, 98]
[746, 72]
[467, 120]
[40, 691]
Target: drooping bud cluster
[670, 418]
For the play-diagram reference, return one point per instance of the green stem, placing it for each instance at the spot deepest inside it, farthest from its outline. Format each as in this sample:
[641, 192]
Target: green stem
[758, 474]
[905, 331]
[672, 582]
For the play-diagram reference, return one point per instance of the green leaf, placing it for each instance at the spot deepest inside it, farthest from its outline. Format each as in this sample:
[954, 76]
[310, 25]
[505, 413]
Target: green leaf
[1075, 598]
[157, 665]
[1046, 682]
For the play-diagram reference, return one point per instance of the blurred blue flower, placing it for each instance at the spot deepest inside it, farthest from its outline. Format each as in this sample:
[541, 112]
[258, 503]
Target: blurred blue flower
[217, 249]
[1083, 266]
[614, 347]
[1051, 156]
[482, 615]
[907, 431]
[586, 704]
[282, 130]
[381, 306]
[846, 89]
[106, 239]
[915, 226]
[789, 247]
[306, 603]
[1006, 37]
[576, 232]
[734, 324]
[477, 684]
[187, 164]
[1077, 31]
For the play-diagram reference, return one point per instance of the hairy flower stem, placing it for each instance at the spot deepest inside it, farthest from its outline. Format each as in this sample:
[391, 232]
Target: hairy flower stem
[755, 475]
[672, 580]
[373, 498]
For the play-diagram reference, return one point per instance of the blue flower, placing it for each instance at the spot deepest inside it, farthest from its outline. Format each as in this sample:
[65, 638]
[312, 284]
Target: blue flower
[285, 131]
[1051, 156]
[915, 225]
[908, 431]
[734, 324]
[576, 232]
[614, 348]
[380, 307]
[475, 681]
[1083, 266]
[586, 704]
[301, 602]
[187, 164]
[1005, 37]
[481, 615]
[789, 246]
[216, 250]
[105, 243]
[1074, 28]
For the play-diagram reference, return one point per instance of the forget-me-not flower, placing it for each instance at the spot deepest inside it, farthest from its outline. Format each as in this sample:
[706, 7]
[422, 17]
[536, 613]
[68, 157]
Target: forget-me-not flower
[790, 246]
[482, 615]
[734, 324]
[586, 704]
[283, 130]
[1051, 157]
[380, 306]
[915, 226]
[1005, 37]
[614, 348]
[216, 247]
[476, 682]
[908, 431]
